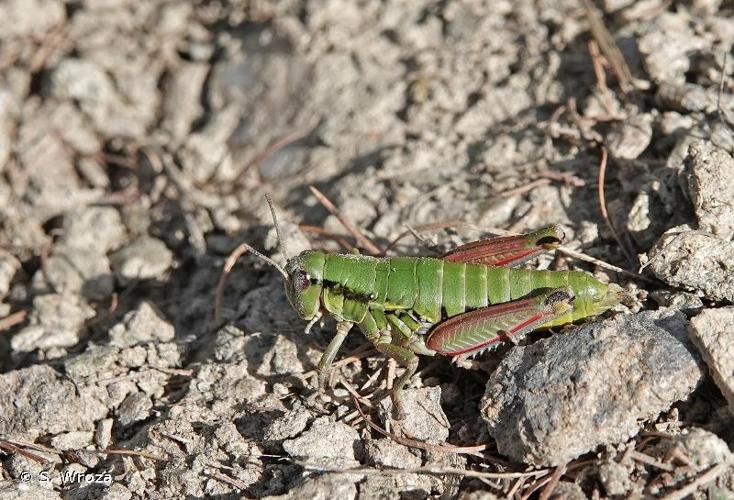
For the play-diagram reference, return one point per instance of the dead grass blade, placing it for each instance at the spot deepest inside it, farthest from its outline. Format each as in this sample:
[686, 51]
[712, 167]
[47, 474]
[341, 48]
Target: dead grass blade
[609, 47]
[365, 242]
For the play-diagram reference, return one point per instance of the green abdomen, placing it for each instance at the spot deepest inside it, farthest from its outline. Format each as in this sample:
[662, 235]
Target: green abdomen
[434, 288]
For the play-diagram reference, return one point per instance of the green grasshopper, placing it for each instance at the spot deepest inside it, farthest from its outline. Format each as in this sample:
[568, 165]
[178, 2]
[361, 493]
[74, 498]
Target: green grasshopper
[463, 303]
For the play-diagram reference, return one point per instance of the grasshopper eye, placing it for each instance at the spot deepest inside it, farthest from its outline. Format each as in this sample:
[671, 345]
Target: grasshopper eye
[301, 281]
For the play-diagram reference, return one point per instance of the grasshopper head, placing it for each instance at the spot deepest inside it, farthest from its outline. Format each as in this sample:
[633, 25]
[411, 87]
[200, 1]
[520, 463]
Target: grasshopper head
[303, 285]
[602, 296]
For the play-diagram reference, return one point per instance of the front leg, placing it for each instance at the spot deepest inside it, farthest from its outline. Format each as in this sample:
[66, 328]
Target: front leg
[324, 368]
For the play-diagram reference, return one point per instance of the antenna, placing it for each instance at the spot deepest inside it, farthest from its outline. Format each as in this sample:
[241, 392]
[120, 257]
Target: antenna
[281, 241]
[265, 259]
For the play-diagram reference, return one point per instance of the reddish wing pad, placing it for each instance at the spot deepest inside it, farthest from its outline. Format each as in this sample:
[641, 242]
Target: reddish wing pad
[507, 250]
[475, 331]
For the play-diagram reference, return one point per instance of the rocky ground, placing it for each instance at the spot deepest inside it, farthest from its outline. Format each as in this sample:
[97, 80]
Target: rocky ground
[137, 140]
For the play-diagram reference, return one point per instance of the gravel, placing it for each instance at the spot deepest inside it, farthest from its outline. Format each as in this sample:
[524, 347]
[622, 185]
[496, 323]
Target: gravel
[137, 140]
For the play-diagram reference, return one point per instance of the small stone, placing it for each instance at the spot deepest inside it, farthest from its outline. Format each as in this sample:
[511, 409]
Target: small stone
[144, 258]
[703, 449]
[326, 443]
[694, 261]
[615, 478]
[182, 99]
[103, 433]
[36, 401]
[424, 419]
[116, 491]
[19, 18]
[142, 325]
[9, 265]
[135, 408]
[477, 495]
[710, 172]
[396, 487]
[324, 487]
[292, 423]
[628, 139]
[567, 491]
[83, 271]
[206, 152]
[81, 80]
[74, 440]
[668, 62]
[596, 383]
[686, 302]
[388, 453]
[96, 227]
[713, 334]
[56, 320]
[94, 363]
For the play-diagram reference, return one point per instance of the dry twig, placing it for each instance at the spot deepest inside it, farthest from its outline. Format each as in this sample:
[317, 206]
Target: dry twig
[609, 47]
[603, 206]
[327, 234]
[13, 319]
[228, 265]
[444, 448]
[365, 242]
[552, 482]
[705, 478]
[437, 471]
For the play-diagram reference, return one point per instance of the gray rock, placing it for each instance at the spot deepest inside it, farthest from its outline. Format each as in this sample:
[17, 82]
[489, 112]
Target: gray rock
[26, 491]
[628, 139]
[84, 271]
[35, 401]
[289, 425]
[396, 486]
[325, 487]
[424, 419]
[81, 80]
[182, 99]
[91, 86]
[8, 106]
[103, 433]
[144, 258]
[686, 302]
[135, 408]
[25, 470]
[695, 261]
[477, 495]
[567, 491]
[710, 172]
[704, 449]
[144, 324]
[95, 363]
[326, 443]
[55, 321]
[206, 152]
[713, 334]
[9, 265]
[665, 61]
[615, 478]
[74, 440]
[388, 453]
[596, 384]
[94, 227]
[30, 17]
